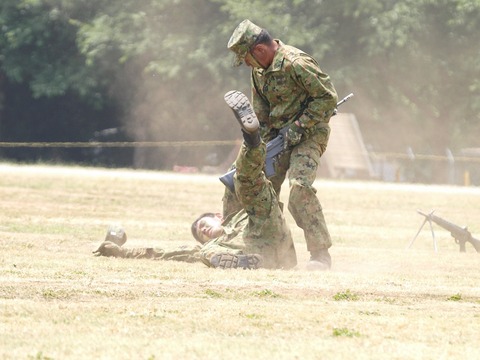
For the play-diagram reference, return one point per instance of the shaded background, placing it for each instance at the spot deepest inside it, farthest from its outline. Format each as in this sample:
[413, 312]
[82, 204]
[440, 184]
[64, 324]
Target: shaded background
[156, 70]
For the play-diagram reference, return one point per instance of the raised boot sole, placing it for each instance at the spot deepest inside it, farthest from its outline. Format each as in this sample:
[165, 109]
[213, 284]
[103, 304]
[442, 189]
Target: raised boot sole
[243, 111]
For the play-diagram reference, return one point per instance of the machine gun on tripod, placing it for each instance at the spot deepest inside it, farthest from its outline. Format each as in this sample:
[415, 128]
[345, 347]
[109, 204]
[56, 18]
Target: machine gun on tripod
[460, 234]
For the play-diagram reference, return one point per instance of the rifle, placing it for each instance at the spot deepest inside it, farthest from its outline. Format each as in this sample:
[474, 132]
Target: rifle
[274, 147]
[460, 234]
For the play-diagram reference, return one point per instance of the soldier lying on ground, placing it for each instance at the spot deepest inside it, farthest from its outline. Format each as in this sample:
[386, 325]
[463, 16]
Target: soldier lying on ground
[255, 236]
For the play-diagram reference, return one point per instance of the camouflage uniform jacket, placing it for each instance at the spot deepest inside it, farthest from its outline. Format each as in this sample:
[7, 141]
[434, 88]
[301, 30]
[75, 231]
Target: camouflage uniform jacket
[293, 88]
[246, 234]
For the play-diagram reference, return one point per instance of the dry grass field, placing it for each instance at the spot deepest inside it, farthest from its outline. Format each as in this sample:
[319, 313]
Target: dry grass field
[379, 301]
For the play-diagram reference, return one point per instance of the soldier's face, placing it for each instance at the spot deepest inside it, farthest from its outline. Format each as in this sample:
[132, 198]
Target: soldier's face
[260, 56]
[209, 227]
[251, 61]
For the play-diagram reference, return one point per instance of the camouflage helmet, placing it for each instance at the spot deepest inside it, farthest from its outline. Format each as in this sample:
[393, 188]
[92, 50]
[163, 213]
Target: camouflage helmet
[242, 40]
[116, 234]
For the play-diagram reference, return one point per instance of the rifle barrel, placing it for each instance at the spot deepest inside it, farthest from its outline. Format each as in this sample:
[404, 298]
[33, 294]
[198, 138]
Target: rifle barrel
[345, 99]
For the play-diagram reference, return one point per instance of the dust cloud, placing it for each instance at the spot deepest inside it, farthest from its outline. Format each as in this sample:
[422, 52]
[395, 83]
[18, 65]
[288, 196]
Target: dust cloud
[395, 107]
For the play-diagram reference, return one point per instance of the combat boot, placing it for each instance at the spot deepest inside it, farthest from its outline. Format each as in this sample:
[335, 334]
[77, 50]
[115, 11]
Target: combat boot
[320, 261]
[231, 261]
[245, 116]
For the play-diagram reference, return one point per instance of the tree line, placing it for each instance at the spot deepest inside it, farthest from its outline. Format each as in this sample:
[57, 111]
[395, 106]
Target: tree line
[156, 70]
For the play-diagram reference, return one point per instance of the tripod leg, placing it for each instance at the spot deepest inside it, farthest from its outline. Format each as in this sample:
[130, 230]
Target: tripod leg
[433, 237]
[418, 232]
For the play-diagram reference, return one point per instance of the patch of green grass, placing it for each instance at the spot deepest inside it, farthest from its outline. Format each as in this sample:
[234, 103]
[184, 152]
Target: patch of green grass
[456, 297]
[51, 294]
[213, 294]
[40, 356]
[345, 296]
[345, 332]
[266, 294]
[56, 295]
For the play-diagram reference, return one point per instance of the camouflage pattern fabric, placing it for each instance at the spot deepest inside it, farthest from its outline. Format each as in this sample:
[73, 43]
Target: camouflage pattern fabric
[230, 202]
[242, 40]
[295, 90]
[231, 241]
[260, 228]
[231, 205]
[303, 202]
[183, 253]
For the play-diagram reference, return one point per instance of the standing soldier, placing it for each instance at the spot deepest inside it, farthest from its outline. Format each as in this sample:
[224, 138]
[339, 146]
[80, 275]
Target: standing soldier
[290, 90]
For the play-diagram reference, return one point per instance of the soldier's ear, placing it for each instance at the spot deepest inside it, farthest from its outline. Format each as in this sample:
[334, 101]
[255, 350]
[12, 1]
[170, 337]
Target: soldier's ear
[259, 49]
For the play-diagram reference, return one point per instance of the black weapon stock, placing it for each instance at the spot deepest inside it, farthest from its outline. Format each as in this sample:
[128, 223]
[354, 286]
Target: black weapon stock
[460, 234]
[274, 147]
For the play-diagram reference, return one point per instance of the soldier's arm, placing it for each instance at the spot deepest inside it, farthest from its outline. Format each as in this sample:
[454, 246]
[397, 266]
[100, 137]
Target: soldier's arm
[186, 253]
[261, 108]
[317, 84]
[110, 249]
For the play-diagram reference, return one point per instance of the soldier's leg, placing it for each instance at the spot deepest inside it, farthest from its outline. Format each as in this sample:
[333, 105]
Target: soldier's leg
[231, 205]
[303, 203]
[267, 232]
[249, 179]
[228, 253]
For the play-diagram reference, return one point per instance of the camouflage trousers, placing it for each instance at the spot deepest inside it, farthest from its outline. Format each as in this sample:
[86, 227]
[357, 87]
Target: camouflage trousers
[301, 165]
[264, 230]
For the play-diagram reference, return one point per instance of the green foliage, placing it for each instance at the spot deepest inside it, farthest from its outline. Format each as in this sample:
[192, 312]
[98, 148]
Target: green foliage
[266, 293]
[456, 297]
[38, 48]
[213, 293]
[413, 64]
[345, 332]
[52, 294]
[40, 356]
[345, 296]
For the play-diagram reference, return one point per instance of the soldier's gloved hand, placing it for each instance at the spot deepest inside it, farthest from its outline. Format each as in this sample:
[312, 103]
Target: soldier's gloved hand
[108, 248]
[293, 136]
